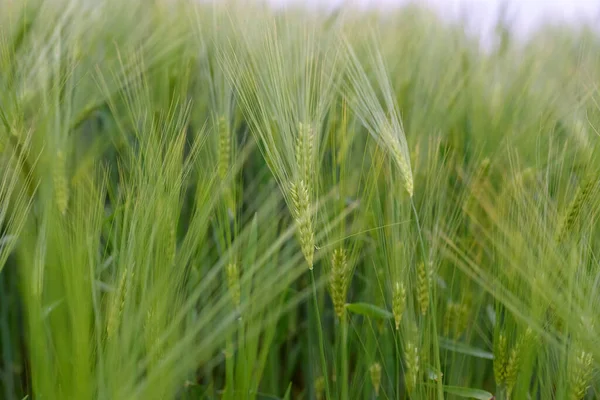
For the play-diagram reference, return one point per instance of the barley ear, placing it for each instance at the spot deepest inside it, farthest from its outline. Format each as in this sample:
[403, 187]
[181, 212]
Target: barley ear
[375, 372]
[462, 319]
[411, 375]
[305, 150]
[61, 185]
[580, 374]
[449, 318]
[319, 387]
[572, 215]
[339, 280]
[422, 288]
[399, 157]
[500, 358]
[403, 165]
[301, 211]
[116, 305]
[233, 283]
[398, 303]
[152, 331]
[224, 152]
[513, 365]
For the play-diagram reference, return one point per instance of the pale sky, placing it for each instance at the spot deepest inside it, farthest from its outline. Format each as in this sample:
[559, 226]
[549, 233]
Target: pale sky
[526, 14]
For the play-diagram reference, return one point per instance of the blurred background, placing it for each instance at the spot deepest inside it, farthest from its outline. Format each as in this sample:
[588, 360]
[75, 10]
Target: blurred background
[480, 16]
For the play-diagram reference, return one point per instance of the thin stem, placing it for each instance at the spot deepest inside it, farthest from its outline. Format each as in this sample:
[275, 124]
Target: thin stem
[398, 364]
[229, 371]
[501, 393]
[320, 331]
[436, 348]
[344, 378]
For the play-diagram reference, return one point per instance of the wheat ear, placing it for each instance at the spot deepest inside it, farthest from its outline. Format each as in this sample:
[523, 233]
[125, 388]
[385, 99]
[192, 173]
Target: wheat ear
[338, 281]
[61, 186]
[398, 303]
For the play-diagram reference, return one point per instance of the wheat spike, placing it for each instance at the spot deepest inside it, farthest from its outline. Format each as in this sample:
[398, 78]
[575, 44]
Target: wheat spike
[398, 303]
[411, 357]
[320, 387]
[449, 318]
[500, 359]
[152, 330]
[375, 372]
[477, 184]
[61, 186]
[580, 374]
[423, 288]
[117, 305]
[233, 283]
[338, 281]
[399, 157]
[574, 210]
[304, 150]
[513, 365]
[301, 212]
[462, 319]
[456, 319]
[224, 152]
[301, 191]
[405, 170]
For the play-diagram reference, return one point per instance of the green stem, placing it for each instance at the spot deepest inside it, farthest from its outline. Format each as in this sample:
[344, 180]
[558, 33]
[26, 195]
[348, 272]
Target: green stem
[398, 364]
[321, 341]
[344, 378]
[436, 347]
[229, 371]
[501, 393]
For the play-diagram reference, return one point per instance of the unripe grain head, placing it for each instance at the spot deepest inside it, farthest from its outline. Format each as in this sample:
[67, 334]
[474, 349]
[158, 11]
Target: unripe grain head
[375, 372]
[580, 374]
[398, 303]
[61, 185]
[300, 196]
[233, 283]
[338, 285]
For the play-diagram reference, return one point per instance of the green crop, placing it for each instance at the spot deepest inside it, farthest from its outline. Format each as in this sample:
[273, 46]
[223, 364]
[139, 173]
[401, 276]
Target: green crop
[231, 201]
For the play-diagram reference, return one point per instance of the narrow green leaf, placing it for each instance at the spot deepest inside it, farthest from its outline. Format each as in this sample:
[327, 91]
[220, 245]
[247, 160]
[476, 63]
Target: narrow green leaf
[468, 393]
[288, 392]
[462, 348]
[369, 310]
[7, 241]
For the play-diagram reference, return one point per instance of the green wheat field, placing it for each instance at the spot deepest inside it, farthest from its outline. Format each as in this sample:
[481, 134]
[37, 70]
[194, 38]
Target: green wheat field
[231, 201]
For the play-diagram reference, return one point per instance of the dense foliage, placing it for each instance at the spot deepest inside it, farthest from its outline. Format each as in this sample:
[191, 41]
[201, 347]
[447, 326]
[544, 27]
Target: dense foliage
[231, 201]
